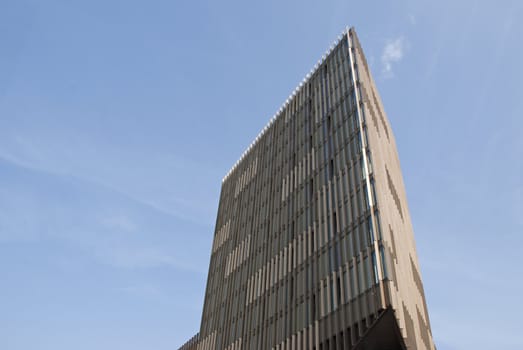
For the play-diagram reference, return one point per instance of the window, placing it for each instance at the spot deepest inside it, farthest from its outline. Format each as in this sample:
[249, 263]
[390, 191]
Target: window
[362, 166]
[374, 268]
[360, 204]
[378, 225]
[338, 291]
[313, 306]
[313, 245]
[325, 299]
[368, 273]
[346, 284]
[383, 263]
[334, 223]
[332, 305]
[291, 287]
[348, 213]
[370, 229]
[361, 274]
[366, 197]
[373, 192]
[351, 242]
[353, 288]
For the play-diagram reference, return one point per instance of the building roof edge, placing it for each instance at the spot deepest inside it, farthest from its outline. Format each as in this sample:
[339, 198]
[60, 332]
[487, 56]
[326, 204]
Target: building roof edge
[278, 113]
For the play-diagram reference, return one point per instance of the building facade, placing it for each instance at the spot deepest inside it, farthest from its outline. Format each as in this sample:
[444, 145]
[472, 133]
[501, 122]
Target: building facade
[313, 247]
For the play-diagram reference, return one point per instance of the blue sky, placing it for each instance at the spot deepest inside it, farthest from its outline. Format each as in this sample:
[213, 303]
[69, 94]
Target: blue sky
[118, 120]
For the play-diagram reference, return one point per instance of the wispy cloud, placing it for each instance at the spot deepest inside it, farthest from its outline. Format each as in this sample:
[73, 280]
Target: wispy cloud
[116, 170]
[132, 257]
[143, 291]
[121, 222]
[101, 223]
[393, 52]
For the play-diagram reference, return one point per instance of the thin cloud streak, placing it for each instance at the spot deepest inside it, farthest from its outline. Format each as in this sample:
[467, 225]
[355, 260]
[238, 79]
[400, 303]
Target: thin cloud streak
[154, 205]
[144, 258]
[122, 233]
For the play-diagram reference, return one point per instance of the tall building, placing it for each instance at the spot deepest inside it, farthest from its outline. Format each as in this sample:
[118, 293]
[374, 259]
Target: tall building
[313, 246]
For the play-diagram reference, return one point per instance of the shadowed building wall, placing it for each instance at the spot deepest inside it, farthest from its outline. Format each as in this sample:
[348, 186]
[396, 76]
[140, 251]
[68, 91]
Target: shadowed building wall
[313, 247]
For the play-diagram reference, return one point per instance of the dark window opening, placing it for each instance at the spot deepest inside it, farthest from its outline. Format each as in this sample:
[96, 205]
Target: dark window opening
[292, 288]
[348, 337]
[338, 290]
[313, 307]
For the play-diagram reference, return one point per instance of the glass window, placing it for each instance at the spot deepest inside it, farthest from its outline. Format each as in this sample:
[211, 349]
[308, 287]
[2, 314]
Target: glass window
[374, 268]
[343, 186]
[373, 192]
[348, 217]
[369, 162]
[353, 286]
[353, 207]
[325, 299]
[350, 248]
[360, 204]
[370, 229]
[334, 223]
[345, 282]
[368, 273]
[361, 275]
[378, 225]
[337, 251]
[356, 238]
[366, 197]
[384, 263]
[332, 306]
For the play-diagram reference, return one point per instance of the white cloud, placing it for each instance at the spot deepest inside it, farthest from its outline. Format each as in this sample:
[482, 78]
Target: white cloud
[393, 52]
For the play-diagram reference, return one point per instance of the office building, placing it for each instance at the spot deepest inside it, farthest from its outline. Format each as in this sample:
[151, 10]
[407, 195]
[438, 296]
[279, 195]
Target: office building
[313, 246]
